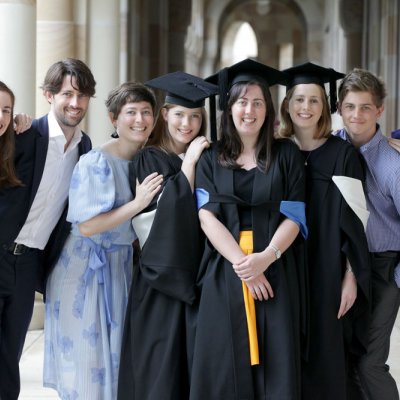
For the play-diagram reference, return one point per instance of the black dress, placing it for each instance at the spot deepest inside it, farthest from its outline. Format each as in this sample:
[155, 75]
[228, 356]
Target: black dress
[158, 335]
[221, 362]
[335, 232]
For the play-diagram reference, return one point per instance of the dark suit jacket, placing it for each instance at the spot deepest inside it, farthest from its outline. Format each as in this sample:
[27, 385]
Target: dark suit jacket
[15, 203]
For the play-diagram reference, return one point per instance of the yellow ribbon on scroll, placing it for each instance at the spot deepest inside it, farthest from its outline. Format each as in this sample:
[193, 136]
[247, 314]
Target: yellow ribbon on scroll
[246, 244]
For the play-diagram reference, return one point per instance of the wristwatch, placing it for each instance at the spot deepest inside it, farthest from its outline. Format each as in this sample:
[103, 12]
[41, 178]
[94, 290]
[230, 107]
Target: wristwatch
[278, 253]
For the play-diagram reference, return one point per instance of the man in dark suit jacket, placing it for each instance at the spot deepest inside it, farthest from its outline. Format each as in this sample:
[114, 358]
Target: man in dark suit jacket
[33, 225]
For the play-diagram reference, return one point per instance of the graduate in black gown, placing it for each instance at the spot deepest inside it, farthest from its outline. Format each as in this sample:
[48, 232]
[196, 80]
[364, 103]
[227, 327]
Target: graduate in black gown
[158, 332]
[250, 194]
[337, 248]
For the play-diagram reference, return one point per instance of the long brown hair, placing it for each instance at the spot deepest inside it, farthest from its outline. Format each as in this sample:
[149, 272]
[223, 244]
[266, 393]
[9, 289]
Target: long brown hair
[162, 139]
[8, 177]
[231, 146]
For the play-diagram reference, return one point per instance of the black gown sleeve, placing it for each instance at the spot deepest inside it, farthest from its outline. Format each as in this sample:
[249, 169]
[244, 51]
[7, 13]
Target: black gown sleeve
[171, 254]
[205, 182]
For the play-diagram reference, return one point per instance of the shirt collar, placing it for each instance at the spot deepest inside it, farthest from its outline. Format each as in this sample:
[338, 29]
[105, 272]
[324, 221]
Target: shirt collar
[375, 140]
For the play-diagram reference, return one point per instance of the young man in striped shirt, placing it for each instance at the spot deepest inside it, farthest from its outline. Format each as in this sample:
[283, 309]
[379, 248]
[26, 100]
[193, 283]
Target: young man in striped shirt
[361, 96]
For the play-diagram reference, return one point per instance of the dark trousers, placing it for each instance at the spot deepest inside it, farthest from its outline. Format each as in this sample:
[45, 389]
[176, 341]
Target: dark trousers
[17, 293]
[376, 381]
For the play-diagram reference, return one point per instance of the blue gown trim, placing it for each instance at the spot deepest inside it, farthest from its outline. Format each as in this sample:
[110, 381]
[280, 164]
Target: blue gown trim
[296, 211]
[202, 197]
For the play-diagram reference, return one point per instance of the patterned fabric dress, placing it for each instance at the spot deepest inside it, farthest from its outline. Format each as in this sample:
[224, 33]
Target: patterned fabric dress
[87, 290]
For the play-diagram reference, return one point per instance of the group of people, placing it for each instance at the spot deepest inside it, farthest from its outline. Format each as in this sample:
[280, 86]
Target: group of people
[259, 266]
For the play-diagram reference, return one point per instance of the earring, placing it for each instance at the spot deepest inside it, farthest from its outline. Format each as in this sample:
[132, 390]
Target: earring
[115, 135]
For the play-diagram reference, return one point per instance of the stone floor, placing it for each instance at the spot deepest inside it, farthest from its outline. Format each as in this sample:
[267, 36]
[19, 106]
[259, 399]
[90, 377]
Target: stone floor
[32, 364]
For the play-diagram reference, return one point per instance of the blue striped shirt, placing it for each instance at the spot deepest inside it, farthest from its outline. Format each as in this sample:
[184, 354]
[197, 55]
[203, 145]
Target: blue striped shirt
[382, 190]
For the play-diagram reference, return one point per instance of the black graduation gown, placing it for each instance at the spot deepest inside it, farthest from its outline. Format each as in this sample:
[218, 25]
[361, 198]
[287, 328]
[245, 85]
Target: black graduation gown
[335, 232]
[157, 334]
[221, 364]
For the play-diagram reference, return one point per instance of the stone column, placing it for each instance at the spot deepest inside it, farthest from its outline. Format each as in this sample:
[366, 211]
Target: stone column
[55, 41]
[18, 49]
[104, 61]
[351, 20]
[381, 46]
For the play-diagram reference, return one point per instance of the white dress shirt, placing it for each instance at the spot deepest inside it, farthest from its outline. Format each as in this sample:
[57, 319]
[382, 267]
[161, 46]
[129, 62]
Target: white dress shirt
[52, 193]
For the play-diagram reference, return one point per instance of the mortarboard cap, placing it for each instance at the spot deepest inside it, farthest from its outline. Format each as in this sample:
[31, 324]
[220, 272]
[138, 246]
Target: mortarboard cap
[244, 71]
[184, 89]
[188, 91]
[312, 73]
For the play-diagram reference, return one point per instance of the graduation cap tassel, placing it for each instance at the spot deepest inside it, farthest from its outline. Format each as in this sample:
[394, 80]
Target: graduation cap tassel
[213, 119]
[332, 95]
[223, 88]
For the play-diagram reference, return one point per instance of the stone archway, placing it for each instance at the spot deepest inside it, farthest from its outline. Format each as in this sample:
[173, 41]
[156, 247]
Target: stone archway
[275, 23]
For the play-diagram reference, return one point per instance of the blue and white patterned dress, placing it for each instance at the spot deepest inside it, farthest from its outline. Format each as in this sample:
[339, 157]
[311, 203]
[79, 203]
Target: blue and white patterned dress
[88, 289]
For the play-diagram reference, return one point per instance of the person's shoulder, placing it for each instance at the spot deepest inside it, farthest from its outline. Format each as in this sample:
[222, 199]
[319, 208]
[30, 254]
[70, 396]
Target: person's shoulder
[285, 143]
[336, 141]
[38, 128]
[86, 137]
[156, 159]
[340, 150]
[385, 147]
[93, 157]
[151, 153]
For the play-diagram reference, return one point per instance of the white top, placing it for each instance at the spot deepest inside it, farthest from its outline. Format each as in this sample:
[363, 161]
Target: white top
[52, 193]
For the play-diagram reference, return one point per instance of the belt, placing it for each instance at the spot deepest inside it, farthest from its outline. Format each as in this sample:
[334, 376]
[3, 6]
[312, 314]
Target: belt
[17, 248]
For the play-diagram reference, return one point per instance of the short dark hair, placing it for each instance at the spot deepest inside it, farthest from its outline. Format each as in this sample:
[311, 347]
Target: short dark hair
[75, 69]
[129, 92]
[361, 80]
[8, 175]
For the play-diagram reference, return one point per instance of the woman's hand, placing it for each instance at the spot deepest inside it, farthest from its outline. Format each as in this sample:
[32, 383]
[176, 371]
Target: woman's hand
[195, 149]
[146, 190]
[260, 288]
[252, 265]
[349, 293]
[192, 155]
[22, 122]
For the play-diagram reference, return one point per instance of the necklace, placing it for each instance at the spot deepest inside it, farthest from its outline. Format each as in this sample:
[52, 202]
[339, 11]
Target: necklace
[306, 159]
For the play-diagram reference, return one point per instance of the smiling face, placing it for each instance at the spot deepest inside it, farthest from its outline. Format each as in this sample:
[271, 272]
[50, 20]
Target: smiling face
[69, 104]
[360, 115]
[249, 111]
[5, 111]
[306, 106]
[134, 122]
[184, 125]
